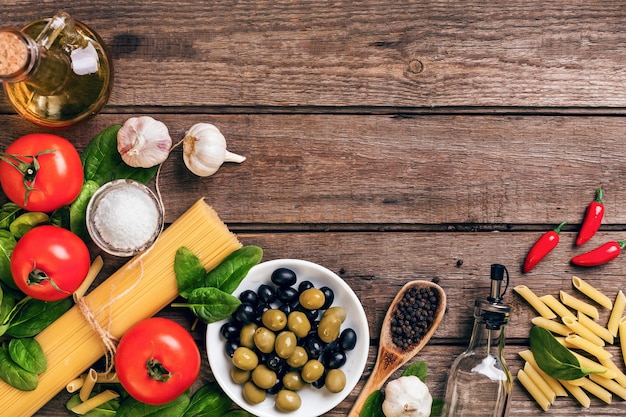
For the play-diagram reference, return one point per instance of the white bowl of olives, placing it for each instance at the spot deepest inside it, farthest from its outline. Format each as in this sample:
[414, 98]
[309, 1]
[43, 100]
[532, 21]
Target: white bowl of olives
[297, 345]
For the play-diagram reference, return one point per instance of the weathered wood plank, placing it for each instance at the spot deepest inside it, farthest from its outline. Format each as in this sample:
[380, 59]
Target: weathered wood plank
[354, 54]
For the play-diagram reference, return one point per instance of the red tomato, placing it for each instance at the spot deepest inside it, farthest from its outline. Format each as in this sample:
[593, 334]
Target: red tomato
[49, 263]
[41, 172]
[157, 360]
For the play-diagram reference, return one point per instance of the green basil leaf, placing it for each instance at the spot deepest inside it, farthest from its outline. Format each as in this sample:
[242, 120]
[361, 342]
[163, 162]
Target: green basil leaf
[553, 358]
[189, 272]
[7, 243]
[78, 209]
[28, 354]
[133, 408]
[8, 213]
[373, 406]
[208, 401]
[210, 304]
[15, 375]
[6, 306]
[103, 163]
[437, 407]
[61, 217]
[418, 369]
[27, 221]
[233, 269]
[108, 409]
[36, 315]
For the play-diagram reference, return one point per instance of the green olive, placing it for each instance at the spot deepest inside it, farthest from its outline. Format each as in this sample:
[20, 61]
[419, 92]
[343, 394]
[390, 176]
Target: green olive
[298, 323]
[274, 319]
[286, 343]
[263, 377]
[312, 299]
[337, 311]
[335, 380]
[293, 381]
[329, 328]
[298, 358]
[312, 370]
[264, 339]
[287, 400]
[245, 359]
[239, 376]
[246, 335]
[252, 393]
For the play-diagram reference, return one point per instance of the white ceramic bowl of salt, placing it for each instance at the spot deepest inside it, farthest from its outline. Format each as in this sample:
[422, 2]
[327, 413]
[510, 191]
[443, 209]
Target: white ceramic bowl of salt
[124, 217]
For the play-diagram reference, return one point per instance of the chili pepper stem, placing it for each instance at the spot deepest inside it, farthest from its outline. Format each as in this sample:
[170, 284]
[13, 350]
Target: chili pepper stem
[559, 227]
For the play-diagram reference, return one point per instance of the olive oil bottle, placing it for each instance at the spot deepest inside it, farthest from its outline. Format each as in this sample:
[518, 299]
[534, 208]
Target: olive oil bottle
[55, 72]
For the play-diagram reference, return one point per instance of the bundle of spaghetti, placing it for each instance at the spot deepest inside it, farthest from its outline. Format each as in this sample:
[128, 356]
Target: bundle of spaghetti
[138, 290]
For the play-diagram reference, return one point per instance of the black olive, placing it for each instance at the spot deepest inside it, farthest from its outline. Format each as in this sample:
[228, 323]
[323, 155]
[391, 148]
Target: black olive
[286, 294]
[259, 312]
[284, 277]
[347, 339]
[320, 382]
[313, 346]
[266, 293]
[245, 313]
[277, 387]
[276, 363]
[329, 297]
[285, 308]
[249, 296]
[230, 347]
[230, 330]
[333, 359]
[305, 285]
[310, 314]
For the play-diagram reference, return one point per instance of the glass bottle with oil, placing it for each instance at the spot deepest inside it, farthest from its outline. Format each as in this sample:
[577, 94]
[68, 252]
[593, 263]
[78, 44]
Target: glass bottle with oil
[55, 72]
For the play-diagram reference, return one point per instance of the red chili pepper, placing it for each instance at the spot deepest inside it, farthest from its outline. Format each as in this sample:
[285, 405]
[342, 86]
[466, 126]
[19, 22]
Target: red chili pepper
[592, 220]
[600, 255]
[542, 247]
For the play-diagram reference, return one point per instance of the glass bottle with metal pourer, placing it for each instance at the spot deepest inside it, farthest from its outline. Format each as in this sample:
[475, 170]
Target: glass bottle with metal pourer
[480, 383]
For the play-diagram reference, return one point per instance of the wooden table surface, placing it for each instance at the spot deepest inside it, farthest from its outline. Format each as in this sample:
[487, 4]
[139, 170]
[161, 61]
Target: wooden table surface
[386, 141]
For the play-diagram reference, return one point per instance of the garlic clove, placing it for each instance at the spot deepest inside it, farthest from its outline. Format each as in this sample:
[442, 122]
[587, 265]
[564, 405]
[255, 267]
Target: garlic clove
[143, 142]
[204, 150]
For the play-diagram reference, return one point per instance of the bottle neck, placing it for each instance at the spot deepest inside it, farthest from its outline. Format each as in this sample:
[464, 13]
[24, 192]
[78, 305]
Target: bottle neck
[486, 341]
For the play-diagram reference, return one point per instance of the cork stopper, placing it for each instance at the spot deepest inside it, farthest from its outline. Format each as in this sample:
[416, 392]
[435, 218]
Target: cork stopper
[14, 53]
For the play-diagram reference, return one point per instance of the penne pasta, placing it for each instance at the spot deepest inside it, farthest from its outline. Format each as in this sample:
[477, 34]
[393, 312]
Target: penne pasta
[94, 270]
[556, 306]
[582, 331]
[88, 384]
[540, 382]
[594, 366]
[578, 393]
[593, 293]
[533, 390]
[610, 385]
[622, 337]
[596, 328]
[580, 305]
[551, 325]
[95, 401]
[595, 389]
[532, 299]
[556, 386]
[75, 384]
[107, 378]
[619, 376]
[588, 347]
[617, 313]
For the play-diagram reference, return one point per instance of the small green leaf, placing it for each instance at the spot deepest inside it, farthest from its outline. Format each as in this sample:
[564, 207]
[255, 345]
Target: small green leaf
[208, 401]
[108, 409]
[210, 304]
[28, 354]
[133, 408]
[35, 315]
[189, 271]
[373, 406]
[7, 244]
[437, 407]
[233, 269]
[27, 221]
[15, 375]
[8, 213]
[78, 209]
[418, 369]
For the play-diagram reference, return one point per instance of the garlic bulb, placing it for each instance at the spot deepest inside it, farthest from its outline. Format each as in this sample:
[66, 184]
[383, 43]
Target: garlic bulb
[204, 150]
[143, 142]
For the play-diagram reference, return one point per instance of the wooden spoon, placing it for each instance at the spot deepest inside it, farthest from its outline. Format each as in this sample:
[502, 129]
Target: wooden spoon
[390, 356]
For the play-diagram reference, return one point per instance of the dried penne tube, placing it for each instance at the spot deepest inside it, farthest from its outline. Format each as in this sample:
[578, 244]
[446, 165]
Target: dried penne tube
[88, 384]
[622, 337]
[75, 384]
[588, 347]
[593, 293]
[534, 301]
[556, 306]
[95, 401]
[619, 376]
[594, 366]
[551, 325]
[617, 313]
[556, 386]
[595, 389]
[564, 342]
[540, 382]
[582, 331]
[580, 305]
[533, 390]
[578, 393]
[94, 270]
[107, 378]
[596, 328]
[610, 385]
[576, 382]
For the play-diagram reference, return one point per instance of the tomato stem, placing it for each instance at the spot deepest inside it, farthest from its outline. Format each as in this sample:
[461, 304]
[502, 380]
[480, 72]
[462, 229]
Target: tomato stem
[37, 276]
[27, 169]
[157, 371]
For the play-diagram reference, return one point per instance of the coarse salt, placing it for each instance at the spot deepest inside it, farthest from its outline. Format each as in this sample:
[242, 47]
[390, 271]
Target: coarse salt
[126, 218]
